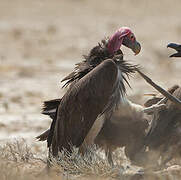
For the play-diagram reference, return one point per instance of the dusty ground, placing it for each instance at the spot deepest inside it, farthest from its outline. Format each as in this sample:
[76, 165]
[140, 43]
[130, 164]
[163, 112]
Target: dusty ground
[40, 41]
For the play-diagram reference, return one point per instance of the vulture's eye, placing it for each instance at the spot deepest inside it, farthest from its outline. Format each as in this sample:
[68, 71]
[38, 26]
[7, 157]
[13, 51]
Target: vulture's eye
[132, 37]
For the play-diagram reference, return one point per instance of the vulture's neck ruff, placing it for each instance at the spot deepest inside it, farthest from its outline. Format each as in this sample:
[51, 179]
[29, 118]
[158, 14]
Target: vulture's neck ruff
[97, 55]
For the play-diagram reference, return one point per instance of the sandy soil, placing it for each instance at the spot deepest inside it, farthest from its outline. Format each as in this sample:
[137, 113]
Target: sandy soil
[40, 41]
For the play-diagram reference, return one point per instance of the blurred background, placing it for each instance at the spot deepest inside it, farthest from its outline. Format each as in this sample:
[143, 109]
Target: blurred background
[40, 41]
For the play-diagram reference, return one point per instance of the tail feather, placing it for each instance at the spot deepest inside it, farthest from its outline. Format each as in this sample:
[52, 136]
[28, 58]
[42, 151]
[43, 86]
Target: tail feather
[50, 107]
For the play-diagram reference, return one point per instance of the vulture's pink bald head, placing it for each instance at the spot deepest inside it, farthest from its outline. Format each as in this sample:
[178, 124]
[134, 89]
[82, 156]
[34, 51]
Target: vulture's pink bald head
[124, 36]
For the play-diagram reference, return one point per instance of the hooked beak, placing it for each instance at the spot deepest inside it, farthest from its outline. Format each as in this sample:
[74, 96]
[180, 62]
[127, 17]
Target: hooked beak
[133, 45]
[136, 47]
[177, 47]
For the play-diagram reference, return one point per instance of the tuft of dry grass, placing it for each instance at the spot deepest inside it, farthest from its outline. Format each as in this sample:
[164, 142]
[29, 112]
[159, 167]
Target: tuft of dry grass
[19, 162]
[93, 163]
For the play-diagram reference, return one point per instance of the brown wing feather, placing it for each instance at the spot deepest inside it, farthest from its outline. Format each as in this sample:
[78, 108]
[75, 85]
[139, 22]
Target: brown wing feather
[81, 105]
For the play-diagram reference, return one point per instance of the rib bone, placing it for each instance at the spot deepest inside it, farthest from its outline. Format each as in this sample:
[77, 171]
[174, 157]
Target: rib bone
[154, 108]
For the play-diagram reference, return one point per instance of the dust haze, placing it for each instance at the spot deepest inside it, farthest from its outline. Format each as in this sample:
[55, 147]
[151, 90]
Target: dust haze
[40, 41]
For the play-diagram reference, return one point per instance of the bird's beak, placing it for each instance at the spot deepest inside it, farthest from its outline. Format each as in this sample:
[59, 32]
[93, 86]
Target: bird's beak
[133, 45]
[177, 47]
[136, 48]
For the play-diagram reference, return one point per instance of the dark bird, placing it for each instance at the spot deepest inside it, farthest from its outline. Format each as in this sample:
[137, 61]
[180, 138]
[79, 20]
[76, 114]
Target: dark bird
[96, 90]
[163, 137]
[177, 47]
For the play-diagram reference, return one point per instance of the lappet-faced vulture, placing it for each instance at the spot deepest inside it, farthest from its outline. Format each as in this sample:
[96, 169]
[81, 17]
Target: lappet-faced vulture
[96, 89]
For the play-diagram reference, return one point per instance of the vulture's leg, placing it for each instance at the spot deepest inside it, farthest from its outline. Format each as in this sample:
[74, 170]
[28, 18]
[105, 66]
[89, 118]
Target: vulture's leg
[92, 134]
[83, 149]
[108, 152]
[161, 90]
